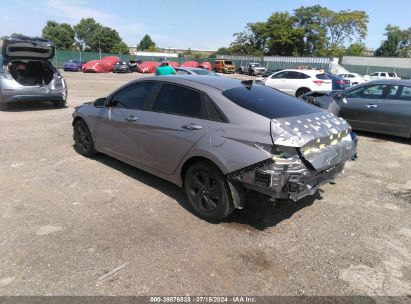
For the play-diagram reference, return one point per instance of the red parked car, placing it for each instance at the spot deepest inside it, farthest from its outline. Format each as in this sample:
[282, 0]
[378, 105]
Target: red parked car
[190, 64]
[105, 65]
[147, 67]
[205, 65]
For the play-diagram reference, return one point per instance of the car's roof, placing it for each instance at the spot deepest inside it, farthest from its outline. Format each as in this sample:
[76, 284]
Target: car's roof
[303, 71]
[391, 81]
[188, 68]
[220, 83]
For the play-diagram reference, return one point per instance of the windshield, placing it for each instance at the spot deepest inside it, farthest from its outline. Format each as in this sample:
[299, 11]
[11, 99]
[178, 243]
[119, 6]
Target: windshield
[74, 61]
[228, 62]
[257, 65]
[269, 102]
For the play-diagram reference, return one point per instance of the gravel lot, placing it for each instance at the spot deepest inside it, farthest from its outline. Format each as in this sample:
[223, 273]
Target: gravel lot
[66, 221]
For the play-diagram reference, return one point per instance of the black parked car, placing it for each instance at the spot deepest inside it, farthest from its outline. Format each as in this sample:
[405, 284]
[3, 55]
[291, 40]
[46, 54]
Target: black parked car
[381, 106]
[122, 67]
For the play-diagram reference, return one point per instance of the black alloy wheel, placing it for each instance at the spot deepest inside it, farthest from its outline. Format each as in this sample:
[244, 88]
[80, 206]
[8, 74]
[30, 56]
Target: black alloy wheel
[83, 143]
[207, 192]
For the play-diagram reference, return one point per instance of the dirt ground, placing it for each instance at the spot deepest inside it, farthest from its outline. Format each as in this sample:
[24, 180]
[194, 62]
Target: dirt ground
[67, 221]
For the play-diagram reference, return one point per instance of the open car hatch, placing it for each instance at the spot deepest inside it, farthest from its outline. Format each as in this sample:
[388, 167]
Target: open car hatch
[27, 48]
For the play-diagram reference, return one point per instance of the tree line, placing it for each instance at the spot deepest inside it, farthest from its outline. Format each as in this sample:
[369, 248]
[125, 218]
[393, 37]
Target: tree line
[90, 35]
[315, 31]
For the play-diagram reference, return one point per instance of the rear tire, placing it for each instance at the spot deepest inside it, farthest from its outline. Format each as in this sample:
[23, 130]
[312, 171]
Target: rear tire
[301, 92]
[207, 192]
[83, 142]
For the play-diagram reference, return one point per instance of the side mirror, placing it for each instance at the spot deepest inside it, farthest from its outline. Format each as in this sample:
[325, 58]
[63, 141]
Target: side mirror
[111, 103]
[100, 102]
[341, 96]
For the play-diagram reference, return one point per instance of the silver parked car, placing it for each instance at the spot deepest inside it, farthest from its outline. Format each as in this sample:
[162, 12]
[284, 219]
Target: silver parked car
[26, 73]
[217, 137]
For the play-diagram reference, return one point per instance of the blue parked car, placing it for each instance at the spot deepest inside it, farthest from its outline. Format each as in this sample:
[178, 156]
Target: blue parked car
[74, 65]
[338, 82]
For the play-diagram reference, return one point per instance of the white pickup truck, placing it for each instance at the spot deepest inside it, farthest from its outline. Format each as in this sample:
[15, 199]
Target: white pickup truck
[383, 75]
[252, 68]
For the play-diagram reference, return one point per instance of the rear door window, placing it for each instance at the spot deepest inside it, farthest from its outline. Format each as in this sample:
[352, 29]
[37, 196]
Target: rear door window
[269, 102]
[280, 75]
[297, 75]
[174, 99]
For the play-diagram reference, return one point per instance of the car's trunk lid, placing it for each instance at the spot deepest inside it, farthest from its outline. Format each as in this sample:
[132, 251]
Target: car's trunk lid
[321, 138]
[27, 48]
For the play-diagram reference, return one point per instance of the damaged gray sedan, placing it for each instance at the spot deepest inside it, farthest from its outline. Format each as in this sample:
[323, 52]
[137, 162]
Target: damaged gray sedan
[217, 137]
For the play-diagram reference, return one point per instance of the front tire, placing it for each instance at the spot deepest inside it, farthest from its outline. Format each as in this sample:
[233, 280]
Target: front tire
[83, 142]
[60, 103]
[207, 192]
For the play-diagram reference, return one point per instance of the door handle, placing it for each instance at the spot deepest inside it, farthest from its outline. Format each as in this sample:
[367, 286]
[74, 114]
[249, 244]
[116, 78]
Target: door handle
[192, 127]
[132, 118]
[371, 106]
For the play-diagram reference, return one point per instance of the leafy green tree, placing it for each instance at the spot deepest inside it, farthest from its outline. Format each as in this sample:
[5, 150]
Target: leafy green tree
[86, 29]
[104, 39]
[343, 27]
[146, 44]
[397, 43]
[314, 32]
[309, 31]
[120, 47]
[283, 38]
[355, 49]
[13, 35]
[62, 34]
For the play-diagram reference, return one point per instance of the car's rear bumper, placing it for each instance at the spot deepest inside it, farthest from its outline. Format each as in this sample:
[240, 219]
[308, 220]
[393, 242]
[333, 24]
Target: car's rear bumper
[279, 182]
[33, 94]
[71, 69]
[20, 98]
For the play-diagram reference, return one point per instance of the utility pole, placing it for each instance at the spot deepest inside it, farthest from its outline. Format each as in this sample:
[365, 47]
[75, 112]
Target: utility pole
[99, 48]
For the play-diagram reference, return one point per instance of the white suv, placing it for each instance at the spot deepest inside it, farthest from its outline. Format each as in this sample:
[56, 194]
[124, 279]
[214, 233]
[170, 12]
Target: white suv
[384, 75]
[299, 82]
[354, 78]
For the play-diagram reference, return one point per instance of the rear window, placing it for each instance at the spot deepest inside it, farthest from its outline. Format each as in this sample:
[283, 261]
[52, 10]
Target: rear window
[268, 102]
[204, 72]
[322, 76]
[391, 74]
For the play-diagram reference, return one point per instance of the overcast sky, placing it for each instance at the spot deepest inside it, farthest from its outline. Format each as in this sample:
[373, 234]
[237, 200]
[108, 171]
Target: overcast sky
[184, 23]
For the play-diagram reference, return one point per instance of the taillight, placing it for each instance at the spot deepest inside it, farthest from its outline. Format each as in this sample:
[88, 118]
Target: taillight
[342, 82]
[318, 82]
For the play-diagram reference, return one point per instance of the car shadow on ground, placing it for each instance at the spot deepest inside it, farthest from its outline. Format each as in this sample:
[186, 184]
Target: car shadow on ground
[258, 213]
[376, 137]
[28, 106]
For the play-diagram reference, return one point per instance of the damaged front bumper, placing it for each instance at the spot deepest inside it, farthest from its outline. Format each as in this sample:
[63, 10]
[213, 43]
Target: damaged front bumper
[296, 177]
